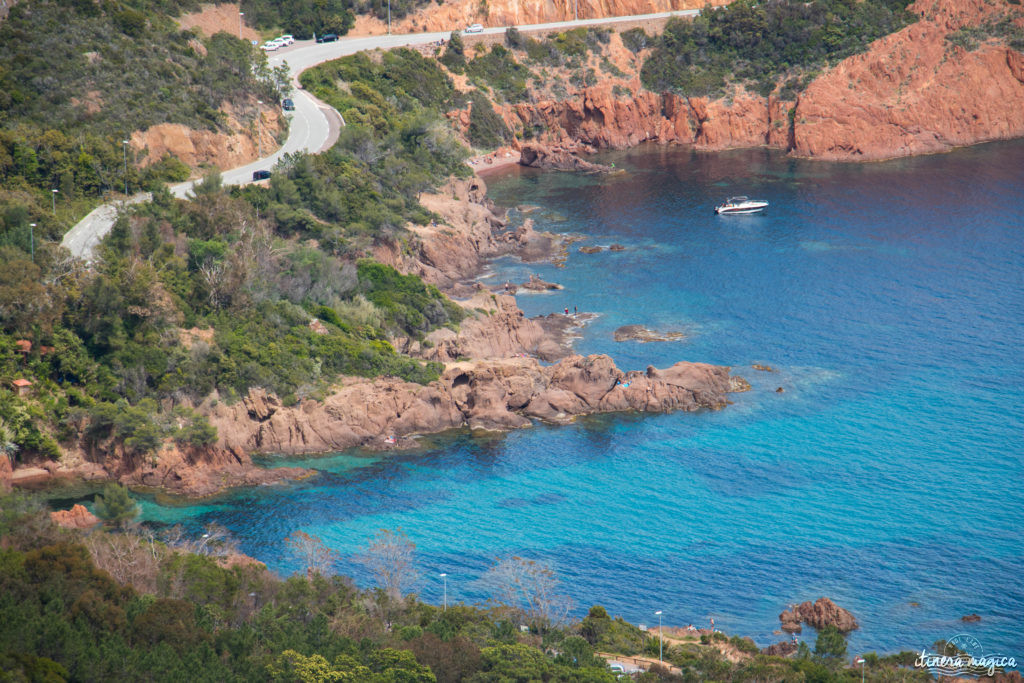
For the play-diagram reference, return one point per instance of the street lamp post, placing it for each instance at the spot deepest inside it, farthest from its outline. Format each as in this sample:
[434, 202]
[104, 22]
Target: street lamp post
[240, 15]
[661, 638]
[389, 17]
[575, 9]
[32, 239]
[54, 201]
[861, 661]
[445, 577]
[124, 148]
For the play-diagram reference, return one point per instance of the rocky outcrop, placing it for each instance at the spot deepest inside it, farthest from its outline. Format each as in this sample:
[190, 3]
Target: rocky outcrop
[556, 159]
[914, 92]
[233, 147]
[819, 614]
[786, 648]
[6, 472]
[192, 472]
[642, 334]
[454, 14]
[498, 394]
[78, 517]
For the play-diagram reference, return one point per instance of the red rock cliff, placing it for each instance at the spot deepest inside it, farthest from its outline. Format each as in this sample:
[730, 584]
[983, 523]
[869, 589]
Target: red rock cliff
[913, 92]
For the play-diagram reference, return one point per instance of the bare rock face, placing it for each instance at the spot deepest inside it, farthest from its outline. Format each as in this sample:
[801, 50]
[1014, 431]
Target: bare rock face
[6, 472]
[916, 93]
[496, 328]
[493, 394]
[195, 472]
[78, 517]
[819, 614]
[786, 648]
[538, 156]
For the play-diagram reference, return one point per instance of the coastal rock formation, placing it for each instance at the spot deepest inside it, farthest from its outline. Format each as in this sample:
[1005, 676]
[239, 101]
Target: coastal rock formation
[555, 159]
[192, 471]
[495, 394]
[914, 92]
[642, 334]
[496, 328]
[970, 618]
[819, 614]
[535, 284]
[78, 517]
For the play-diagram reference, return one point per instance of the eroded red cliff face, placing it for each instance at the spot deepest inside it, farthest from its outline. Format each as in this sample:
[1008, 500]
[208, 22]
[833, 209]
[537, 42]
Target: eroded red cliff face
[913, 92]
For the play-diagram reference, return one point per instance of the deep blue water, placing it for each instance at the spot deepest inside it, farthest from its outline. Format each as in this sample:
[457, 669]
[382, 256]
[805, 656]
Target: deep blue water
[890, 299]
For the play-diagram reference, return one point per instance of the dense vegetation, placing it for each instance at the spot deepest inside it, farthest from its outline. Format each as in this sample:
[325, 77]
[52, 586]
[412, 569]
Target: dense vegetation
[272, 282]
[78, 77]
[301, 18]
[139, 605]
[757, 44]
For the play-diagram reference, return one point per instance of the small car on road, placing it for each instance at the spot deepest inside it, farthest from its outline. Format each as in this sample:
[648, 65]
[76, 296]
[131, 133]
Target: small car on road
[260, 175]
[287, 104]
[327, 38]
[475, 28]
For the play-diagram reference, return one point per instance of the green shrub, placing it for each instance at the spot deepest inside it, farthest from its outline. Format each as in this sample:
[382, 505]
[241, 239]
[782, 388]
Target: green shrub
[756, 43]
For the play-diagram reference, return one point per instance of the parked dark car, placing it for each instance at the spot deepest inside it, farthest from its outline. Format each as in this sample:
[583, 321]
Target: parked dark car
[327, 38]
[260, 175]
[287, 104]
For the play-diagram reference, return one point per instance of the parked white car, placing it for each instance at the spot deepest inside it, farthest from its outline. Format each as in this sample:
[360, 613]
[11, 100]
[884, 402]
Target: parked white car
[269, 46]
[475, 28]
[285, 40]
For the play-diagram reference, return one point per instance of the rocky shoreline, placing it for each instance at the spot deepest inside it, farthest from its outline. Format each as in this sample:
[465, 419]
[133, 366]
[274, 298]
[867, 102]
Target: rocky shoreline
[495, 376]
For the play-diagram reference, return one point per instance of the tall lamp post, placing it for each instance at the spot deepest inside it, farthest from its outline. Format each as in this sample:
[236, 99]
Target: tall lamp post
[445, 577]
[124, 148]
[661, 638]
[54, 201]
[389, 17]
[240, 15]
[32, 239]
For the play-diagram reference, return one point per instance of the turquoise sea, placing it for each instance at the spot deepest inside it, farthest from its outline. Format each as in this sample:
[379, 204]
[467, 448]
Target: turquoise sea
[888, 475]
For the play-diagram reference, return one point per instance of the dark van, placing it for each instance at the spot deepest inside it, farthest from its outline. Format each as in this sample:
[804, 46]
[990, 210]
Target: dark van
[327, 38]
[260, 175]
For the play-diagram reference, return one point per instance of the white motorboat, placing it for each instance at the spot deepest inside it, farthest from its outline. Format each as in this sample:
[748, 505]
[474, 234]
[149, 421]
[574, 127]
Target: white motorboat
[741, 205]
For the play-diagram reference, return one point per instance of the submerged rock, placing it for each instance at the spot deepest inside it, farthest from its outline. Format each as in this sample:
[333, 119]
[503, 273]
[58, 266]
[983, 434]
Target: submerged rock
[556, 159]
[642, 334]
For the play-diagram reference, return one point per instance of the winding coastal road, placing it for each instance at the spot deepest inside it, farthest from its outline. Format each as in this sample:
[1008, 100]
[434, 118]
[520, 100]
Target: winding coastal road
[313, 126]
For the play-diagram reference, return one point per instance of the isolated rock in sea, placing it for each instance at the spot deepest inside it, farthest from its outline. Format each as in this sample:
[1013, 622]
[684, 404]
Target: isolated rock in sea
[642, 334]
[78, 517]
[591, 250]
[763, 368]
[970, 618]
[556, 159]
[819, 614]
[535, 284]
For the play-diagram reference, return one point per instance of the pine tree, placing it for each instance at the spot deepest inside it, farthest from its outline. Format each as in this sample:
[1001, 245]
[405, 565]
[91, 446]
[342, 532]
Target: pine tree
[115, 506]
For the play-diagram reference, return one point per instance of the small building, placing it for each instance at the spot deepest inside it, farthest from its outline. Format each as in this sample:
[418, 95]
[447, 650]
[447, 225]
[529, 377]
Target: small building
[22, 387]
[24, 346]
